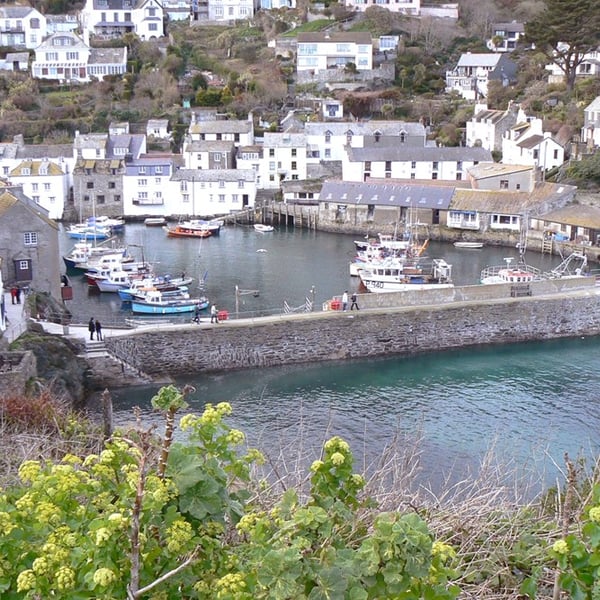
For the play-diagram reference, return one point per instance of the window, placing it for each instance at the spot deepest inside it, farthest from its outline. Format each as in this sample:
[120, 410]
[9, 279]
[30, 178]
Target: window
[294, 165]
[183, 186]
[4, 170]
[72, 55]
[158, 170]
[536, 154]
[413, 164]
[25, 171]
[111, 185]
[435, 165]
[504, 184]
[36, 199]
[142, 182]
[46, 187]
[89, 185]
[117, 198]
[52, 199]
[34, 187]
[388, 165]
[377, 136]
[241, 183]
[234, 198]
[152, 12]
[51, 56]
[272, 165]
[221, 184]
[328, 137]
[294, 151]
[458, 176]
[141, 170]
[157, 180]
[185, 197]
[327, 152]
[434, 176]
[30, 238]
[34, 23]
[221, 197]
[367, 165]
[459, 165]
[217, 157]
[271, 152]
[100, 199]
[152, 27]
[342, 47]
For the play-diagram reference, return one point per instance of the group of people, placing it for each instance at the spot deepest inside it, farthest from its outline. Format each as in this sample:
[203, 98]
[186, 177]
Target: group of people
[94, 326]
[353, 299]
[15, 294]
[214, 314]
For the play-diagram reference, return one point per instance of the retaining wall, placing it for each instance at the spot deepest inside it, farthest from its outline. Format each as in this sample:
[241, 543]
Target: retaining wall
[335, 335]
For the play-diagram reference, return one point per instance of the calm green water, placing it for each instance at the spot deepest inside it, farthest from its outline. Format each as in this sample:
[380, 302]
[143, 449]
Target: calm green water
[531, 402]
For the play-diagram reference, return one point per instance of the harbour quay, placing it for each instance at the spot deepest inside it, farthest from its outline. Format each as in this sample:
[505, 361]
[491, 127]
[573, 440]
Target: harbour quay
[445, 320]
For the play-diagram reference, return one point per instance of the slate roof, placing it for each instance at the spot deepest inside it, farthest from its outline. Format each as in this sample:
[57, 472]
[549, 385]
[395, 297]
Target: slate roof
[284, 140]
[132, 141]
[358, 37]
[224, 126]
[489, 116]
[544, 197]
[427, 153]
[210, 146]
[388, 194]
[391, 128]
[474, 59]
[15, 12]
[531, 142]
[213, 175]
[108, 56]
[579, 215]
[12, 196]
[484, 170]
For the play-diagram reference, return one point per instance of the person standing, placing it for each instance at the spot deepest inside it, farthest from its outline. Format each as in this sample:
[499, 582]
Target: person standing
[196, 318]
[18, 295]
[353, 302]
[214, 315]
[13, 294]
[92, 328]
[345, 301]
[98, 330]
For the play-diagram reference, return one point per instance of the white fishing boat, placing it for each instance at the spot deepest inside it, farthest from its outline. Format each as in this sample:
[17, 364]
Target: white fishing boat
[83, 253]
[156, 303]
[401, 274]
[213, 225]
[155, 221]
[509, 273]
[261, 228]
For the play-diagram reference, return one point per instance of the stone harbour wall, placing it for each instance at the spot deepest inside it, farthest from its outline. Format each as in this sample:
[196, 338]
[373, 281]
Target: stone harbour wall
[336, 335]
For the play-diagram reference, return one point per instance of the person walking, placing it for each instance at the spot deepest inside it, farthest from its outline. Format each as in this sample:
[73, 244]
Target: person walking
[196, 318]
[18, 295]
[13, 294]
[92, 328]
[98, 330]
[345, 301]
[214, 315]
[353, 302]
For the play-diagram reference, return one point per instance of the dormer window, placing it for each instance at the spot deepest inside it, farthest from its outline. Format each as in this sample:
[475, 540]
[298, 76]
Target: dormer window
[25, 171]
[327, 137]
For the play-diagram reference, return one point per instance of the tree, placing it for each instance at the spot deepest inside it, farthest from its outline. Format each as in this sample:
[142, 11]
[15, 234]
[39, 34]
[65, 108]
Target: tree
[565, 31]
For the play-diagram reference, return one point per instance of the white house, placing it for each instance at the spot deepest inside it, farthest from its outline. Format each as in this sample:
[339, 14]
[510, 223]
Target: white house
[270, 4]
[45, 182]
[250, 158]
[212, 192]
[332, 108]
[473, 72]
[590, 132]
[61, 23]
[240, 132]
[113, 18]
[328, 140]
[319, 51]
[147, 186]
[589, 67]
[15, 61]
[284, 158]
[65, 57]
[230, 10]
[406, 162]
[406, 7]
[526, 143]
[21, 27]
[487, 127]
[158, 129]
[505, 36]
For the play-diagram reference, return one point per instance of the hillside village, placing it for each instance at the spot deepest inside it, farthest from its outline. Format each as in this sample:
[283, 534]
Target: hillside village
[351, 173]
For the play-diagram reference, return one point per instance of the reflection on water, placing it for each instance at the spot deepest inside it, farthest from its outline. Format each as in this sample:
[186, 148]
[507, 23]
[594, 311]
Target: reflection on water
[533, 402]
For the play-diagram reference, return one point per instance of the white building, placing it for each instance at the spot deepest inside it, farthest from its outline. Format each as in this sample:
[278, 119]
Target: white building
[526, 143]
[284, 158]
[113, 18]
[211, 192]
[505, 36]
[230, 10]
[487, 127]
[209, 155]
[327, 141]
[241, 133]
[158, 129]
[22, 27]
[147, 186]
[406, 7]
[45, 182]
[589, 67]
[474, 71]
[406, 162]
[270, 4]
[590, 132]
[65, 57]
[318, 51]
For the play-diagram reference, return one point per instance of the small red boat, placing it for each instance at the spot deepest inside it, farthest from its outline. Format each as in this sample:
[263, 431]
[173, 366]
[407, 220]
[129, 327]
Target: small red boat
[182, 231]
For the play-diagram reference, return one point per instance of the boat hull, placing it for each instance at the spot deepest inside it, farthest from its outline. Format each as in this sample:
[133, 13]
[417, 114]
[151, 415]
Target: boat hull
[139, 307]
[187, 232]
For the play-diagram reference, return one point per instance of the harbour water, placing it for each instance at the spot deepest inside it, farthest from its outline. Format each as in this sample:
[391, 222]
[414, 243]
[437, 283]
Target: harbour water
[531, 403]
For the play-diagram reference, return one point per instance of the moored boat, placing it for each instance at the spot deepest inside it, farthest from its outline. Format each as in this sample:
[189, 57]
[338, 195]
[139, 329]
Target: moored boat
[83, 253]
[181, 231]
[509, 273]
[213, 225]
[469, 245]
[162, 284]
[155, 221]
[261, 228]
[155, 303]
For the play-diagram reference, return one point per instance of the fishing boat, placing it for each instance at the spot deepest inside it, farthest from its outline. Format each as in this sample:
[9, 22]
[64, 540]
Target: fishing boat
[155, 303]
[83, 253]
[83, 231]
[401, 274]
[113, 281]
[162, 284]
[114, 224]
[213, 225]
[469, 245]
[509, 273]
[155, 221]
[182, 231]
[261, 228]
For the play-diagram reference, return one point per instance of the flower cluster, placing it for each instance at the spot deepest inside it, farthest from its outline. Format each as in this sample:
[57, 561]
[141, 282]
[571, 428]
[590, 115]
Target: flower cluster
[104, 577]
[179, 534]
[594, 514]
[230, 585]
